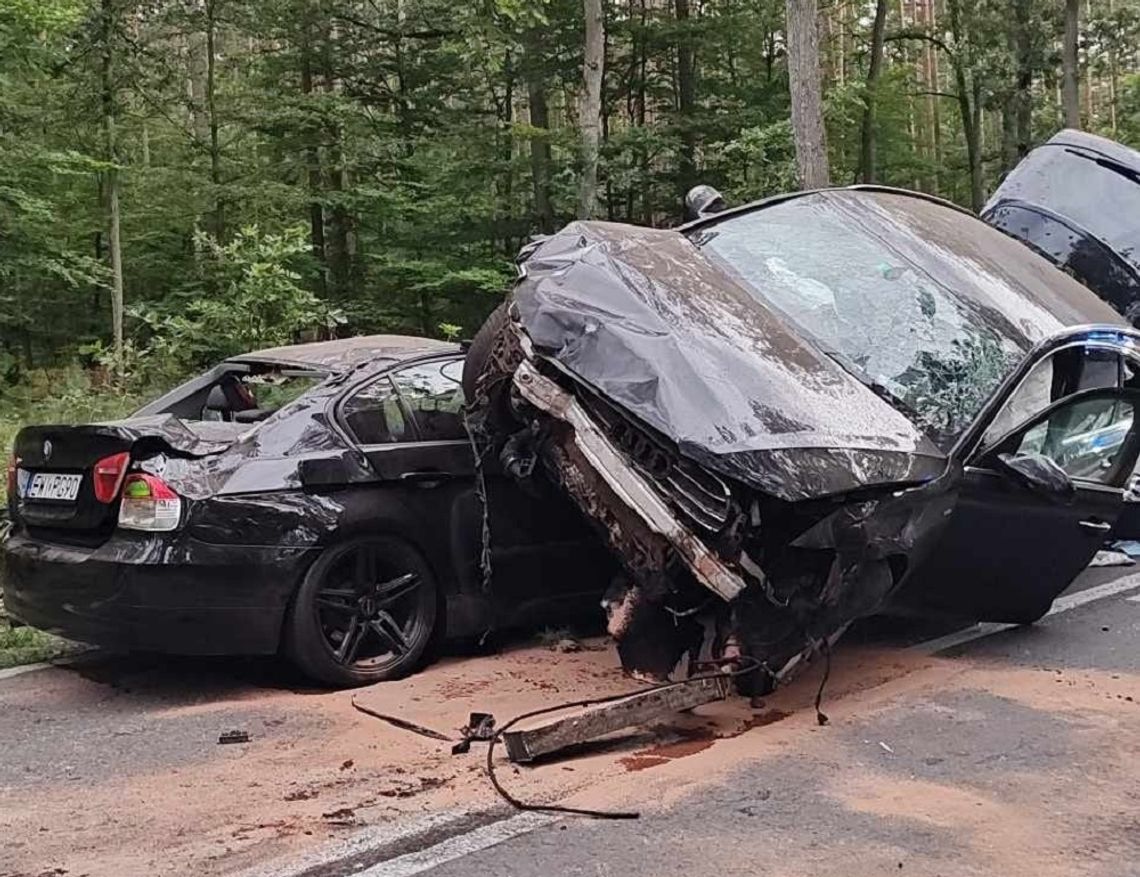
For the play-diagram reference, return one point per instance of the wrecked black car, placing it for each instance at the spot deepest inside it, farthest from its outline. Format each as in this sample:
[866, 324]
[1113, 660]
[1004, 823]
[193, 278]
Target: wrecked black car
[790, 415]
[320, 499]
[1075, 200]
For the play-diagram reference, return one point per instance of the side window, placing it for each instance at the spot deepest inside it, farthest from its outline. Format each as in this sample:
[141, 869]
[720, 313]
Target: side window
[1068, 371]
[373, 414]
[433, 392]
[1084, 438]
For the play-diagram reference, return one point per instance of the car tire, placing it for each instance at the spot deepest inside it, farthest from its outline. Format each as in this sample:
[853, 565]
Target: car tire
[365, 612]
[478, 356]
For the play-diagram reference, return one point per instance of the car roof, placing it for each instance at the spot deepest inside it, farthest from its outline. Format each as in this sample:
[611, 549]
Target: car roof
[344, 354]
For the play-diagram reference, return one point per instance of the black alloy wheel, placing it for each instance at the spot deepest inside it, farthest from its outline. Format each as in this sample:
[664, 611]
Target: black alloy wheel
[365, 612]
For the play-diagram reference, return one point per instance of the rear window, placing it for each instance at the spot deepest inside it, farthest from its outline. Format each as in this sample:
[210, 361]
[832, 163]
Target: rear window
[930, 308]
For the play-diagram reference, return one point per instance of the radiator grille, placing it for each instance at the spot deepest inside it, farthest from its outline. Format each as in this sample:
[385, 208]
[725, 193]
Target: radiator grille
[699, 494]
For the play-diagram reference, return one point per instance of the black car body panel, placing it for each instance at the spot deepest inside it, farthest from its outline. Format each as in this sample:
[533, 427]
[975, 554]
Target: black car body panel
[260, 501]
[1076, 200]
[150, 592]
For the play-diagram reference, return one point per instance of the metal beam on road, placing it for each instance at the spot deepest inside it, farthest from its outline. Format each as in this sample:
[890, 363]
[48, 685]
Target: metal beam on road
[528, 744]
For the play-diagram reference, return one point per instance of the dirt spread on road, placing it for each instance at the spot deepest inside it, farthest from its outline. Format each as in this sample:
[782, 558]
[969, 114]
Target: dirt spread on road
[317, 770]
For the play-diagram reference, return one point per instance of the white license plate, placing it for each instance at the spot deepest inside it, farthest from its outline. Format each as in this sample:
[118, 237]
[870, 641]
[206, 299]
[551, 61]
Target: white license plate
[54, 486]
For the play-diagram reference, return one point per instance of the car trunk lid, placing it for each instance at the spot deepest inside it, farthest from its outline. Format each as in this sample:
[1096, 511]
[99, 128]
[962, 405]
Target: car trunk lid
[68, 476]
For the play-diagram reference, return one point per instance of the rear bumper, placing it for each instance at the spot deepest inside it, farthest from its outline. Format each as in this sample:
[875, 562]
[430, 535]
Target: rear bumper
[164, 592]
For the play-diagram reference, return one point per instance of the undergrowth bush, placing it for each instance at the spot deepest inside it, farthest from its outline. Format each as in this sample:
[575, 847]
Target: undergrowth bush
[64, 395]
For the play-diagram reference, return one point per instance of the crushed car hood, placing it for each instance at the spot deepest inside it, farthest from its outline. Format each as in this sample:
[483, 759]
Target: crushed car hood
[1076, 200]
[642, 316]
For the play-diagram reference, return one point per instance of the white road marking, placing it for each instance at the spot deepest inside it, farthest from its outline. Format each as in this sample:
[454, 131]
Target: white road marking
[1061, 604]
[374, 837]
[459, 846]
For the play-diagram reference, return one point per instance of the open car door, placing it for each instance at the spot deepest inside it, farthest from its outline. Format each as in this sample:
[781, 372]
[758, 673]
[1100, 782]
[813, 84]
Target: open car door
[1037, 502]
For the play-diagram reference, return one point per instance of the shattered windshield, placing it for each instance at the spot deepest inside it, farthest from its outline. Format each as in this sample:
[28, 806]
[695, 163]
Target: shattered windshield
[883, 301]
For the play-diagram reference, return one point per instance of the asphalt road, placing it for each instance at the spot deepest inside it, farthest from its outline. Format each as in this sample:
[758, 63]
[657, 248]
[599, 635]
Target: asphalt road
[1022, 762]
[1016, 753]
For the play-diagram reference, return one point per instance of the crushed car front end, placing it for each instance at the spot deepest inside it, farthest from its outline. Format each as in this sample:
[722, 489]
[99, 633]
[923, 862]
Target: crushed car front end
[766, 475]
[717, 567]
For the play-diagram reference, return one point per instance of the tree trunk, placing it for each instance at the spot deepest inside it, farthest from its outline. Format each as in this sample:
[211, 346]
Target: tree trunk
[642, 102]
[341, 236]
[219, 222]
[969, 106]
[970, 131]
[686, 97]
[1023, 101]
[593, 64]
[505, 181]
[807, 101]
[109, 28]
[212, 116]
[1070, 90]
[867, 152]
[933, 85]
[313, 168]
[539, 143]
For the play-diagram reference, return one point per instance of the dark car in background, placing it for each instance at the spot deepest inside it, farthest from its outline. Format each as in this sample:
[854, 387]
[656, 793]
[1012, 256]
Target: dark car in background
[793, 414]
[319, 499]
[1076, 200]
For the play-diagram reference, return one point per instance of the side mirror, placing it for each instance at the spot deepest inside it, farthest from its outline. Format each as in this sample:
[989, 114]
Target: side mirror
[1038, 473]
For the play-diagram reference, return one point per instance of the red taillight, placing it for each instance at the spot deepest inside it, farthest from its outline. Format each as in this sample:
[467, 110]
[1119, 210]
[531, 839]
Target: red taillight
[108, 476]
[149, 504]
[13, 475]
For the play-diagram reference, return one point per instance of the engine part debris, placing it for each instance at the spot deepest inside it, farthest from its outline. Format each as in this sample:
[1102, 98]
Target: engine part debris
[480, 726]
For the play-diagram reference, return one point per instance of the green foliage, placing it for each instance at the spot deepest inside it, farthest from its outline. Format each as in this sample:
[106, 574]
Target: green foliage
[66, 395]
[259, 303]
[40, 16]
[26, 645]
[388, 156]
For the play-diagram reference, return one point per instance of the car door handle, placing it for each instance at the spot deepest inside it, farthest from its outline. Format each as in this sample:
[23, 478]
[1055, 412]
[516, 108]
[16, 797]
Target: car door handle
[1099, 526]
